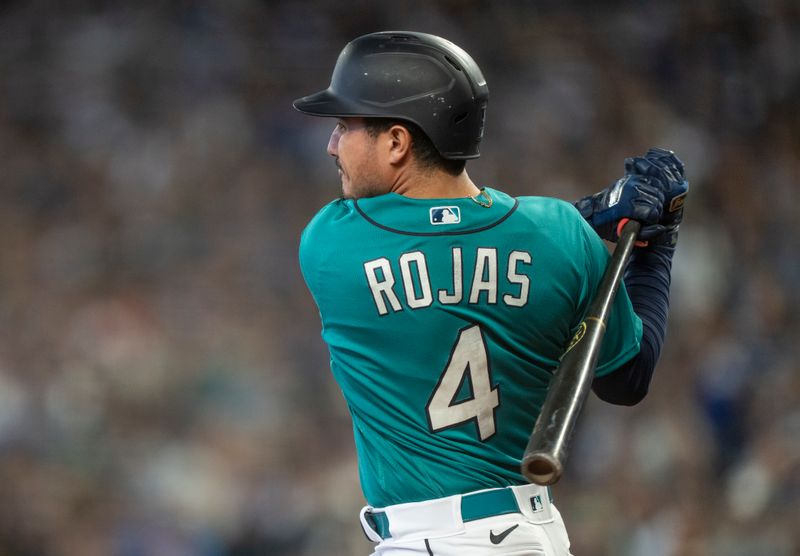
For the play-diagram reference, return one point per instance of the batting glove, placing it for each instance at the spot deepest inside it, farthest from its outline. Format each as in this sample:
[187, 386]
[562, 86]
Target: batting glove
[667, 169]
[637, 197]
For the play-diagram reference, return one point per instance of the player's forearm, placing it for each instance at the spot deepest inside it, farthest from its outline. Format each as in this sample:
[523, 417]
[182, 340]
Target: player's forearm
[647, 281]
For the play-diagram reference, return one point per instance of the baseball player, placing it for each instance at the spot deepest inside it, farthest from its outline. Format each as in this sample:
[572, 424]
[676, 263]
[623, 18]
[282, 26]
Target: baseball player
[446, 306]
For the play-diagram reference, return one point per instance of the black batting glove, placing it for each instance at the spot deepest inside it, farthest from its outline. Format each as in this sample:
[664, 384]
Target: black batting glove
[668, 170]
[635, 197]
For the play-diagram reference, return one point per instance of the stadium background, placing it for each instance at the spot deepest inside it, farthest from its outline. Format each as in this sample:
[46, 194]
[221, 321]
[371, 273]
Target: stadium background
[163, 387]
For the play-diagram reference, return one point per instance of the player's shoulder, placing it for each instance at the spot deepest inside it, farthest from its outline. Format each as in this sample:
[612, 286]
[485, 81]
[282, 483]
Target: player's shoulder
[548, 209]
[323, 235]
[335, 225]
[561, 221]
[327, 218]
[532, 202]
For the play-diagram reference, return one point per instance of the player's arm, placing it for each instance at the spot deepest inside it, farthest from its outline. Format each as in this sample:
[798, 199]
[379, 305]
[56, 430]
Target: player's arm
[652, 192]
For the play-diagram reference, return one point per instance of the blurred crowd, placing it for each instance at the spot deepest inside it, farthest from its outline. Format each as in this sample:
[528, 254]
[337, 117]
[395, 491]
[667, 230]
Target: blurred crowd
[163, 387]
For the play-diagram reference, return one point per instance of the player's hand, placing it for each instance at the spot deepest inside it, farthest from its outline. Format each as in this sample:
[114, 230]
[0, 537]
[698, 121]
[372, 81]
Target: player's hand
[667, 168]
[637, 197]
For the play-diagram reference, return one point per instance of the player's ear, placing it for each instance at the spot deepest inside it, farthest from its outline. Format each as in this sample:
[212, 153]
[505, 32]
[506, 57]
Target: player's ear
[400, 143]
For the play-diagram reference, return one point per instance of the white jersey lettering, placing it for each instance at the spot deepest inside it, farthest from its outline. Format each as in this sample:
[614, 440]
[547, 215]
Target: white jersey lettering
[417, 258]
[382, 288]
[514, 259]
[445, 297]
[485, 277]
[418, 290]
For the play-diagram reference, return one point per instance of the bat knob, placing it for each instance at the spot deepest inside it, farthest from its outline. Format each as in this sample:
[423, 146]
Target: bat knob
[541, 468]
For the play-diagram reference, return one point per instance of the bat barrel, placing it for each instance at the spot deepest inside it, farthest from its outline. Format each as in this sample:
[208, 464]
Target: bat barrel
[546, 452]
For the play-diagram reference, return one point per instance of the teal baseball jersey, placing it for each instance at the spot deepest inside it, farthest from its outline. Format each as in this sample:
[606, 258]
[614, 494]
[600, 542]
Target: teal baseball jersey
[445, 320]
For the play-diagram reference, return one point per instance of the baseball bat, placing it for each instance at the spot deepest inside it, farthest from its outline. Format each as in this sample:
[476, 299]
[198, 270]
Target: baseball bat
[546, 453]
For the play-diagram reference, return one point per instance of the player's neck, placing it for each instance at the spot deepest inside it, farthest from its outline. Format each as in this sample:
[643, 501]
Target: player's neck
[435, 184]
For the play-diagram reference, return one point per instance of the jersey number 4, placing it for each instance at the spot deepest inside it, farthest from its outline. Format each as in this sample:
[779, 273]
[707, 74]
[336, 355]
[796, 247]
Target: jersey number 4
[468, 360]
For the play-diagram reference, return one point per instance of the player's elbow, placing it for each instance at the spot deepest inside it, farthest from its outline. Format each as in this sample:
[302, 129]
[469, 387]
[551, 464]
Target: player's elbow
[627, 385]
[621, 396]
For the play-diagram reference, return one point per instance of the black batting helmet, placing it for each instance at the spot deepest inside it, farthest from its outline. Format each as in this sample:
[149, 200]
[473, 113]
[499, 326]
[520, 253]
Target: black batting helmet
[409, 76]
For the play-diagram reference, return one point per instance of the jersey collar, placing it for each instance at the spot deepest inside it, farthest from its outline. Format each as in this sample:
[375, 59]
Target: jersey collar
[434, 217]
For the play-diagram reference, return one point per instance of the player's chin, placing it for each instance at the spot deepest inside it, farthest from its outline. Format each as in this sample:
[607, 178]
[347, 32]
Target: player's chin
[360, 189]
[347, 190]
[352, 190]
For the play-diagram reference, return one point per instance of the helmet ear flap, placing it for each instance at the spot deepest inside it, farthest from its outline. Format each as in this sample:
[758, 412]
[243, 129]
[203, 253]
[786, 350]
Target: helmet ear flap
[409, 76]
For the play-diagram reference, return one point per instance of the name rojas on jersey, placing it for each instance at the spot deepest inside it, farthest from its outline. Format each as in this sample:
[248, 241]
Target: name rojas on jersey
[417, 291]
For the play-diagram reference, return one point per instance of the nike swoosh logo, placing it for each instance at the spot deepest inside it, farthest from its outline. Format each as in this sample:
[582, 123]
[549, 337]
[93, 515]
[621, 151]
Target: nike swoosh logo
[497, 539]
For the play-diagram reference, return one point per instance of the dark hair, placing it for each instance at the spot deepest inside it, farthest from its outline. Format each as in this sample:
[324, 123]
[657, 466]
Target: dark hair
[422, 147]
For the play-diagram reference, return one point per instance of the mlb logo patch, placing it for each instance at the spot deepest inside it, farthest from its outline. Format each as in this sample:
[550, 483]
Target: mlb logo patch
[536, 503]
[445, 215]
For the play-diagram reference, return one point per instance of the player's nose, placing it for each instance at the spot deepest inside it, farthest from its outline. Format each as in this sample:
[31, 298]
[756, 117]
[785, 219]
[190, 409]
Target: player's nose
[333, 142]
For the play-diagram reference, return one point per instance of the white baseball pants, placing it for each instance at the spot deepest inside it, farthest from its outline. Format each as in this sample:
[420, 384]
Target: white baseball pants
[515, 521]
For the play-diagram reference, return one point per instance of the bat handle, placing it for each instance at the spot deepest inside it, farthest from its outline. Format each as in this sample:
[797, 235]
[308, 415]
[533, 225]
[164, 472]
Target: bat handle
[621, 226]
[546, 453]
